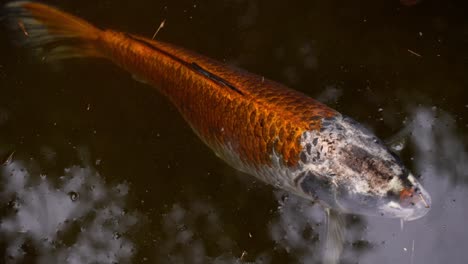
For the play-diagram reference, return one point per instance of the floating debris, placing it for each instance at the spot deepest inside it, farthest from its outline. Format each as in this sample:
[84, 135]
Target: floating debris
[414, 53]
[424, 201]
[159, 28]
[244, 254]
[23, 28]
[8, 159]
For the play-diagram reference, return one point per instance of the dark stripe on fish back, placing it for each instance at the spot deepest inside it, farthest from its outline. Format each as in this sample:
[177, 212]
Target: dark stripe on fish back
[214, 77]
[194, 66]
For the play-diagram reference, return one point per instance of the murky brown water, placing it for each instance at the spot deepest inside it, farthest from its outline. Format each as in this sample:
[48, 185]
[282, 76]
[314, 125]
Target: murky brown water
[104, 169]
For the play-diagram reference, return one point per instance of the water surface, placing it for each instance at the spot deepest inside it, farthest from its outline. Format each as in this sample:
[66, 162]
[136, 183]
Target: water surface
[104, 169]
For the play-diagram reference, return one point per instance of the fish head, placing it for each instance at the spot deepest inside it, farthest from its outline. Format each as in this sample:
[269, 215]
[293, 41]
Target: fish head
[355, 172]
[404, 198]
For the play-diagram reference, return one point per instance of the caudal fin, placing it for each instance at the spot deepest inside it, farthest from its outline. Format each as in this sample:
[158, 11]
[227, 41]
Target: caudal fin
[52, 33]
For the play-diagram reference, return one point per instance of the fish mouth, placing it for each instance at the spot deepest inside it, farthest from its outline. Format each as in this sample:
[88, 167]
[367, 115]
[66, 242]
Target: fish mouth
[410, 206]
[420, 207]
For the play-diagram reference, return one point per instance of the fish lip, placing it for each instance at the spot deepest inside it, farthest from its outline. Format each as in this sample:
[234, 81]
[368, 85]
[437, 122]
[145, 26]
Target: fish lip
[424, 202]
[408, 213]
[422, 207]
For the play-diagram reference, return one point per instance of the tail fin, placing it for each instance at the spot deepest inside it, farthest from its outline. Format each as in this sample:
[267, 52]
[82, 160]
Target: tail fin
[52, 33]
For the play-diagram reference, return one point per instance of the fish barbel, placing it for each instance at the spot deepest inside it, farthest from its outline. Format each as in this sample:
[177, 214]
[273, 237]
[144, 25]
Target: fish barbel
[256, 125]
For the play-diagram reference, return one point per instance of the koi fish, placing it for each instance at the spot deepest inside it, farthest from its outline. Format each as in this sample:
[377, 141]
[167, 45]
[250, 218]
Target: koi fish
[258, 126]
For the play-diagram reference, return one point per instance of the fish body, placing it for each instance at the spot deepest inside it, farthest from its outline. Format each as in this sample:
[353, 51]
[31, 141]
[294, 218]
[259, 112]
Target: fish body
[258, 126]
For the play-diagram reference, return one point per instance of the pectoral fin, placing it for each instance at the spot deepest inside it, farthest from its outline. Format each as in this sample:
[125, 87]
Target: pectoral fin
[139, 79]
[335, 237]
[398, 141]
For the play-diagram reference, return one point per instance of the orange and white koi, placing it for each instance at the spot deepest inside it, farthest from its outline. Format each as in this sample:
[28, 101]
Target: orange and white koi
[256, 125]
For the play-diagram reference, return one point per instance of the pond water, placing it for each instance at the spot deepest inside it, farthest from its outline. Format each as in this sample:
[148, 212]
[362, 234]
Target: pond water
[104, 170]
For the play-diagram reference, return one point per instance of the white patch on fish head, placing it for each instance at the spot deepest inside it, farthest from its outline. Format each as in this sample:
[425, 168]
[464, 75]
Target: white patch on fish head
[348, 168]
[407, 200]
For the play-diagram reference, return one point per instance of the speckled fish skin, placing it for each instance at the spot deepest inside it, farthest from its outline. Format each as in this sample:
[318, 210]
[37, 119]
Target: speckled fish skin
[258, 126]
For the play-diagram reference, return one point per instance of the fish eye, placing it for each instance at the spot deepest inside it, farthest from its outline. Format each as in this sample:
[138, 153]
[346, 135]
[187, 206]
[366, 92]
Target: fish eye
[405, 174]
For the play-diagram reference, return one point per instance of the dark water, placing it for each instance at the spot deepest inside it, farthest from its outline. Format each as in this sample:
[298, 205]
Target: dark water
[104, 169]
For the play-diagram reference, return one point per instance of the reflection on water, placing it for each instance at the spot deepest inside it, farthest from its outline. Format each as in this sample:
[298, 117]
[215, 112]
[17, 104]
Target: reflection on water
[330, 95]
[300, 228]
[440, 157]
[297, 226]
[195, 234]
[76, 219]
[440, 150]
